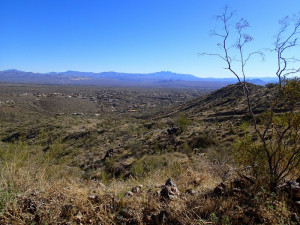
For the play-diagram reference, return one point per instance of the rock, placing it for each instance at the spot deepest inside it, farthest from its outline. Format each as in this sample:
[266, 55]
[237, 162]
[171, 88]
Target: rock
[295, 218]
[129, 194]
[156, 193]
[295, 190]
[79, 215]
[173, 131]
[166, 192]
[169, 190]
[127, 213]
[98, 183]
[162, 217]
[292, 187]
[29, 206]
[137, 189]
[129, 175]
[220, 189]
[94, 198]
[170, 182]
[191, 192]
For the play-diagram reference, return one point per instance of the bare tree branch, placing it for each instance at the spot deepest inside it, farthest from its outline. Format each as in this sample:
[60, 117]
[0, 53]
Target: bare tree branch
[282, 156]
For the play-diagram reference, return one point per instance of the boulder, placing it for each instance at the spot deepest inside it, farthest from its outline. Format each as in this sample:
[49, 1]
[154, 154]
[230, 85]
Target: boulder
[292, 187]
[169, 190]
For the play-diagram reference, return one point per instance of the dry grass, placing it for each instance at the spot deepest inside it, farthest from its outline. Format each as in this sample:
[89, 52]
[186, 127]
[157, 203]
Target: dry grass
[47, 178]
[30, 194]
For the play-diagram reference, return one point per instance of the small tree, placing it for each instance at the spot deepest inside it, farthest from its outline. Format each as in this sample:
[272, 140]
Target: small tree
[276, 154]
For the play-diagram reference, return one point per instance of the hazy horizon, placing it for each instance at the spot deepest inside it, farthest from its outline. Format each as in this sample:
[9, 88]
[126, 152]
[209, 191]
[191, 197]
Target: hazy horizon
[138, 73]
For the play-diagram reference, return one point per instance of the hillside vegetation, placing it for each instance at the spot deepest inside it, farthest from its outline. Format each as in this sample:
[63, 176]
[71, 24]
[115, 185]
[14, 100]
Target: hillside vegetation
[87, 155]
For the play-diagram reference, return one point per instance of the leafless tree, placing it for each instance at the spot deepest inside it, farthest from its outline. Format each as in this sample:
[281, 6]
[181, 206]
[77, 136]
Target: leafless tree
[279, 132]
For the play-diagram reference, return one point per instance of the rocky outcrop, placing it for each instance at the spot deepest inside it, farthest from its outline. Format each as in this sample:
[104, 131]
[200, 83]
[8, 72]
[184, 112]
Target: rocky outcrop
[169, 190]
[292, 187]
[174, 131]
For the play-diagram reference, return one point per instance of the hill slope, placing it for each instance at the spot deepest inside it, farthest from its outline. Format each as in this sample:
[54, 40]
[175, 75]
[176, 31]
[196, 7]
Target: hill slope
[224, 103]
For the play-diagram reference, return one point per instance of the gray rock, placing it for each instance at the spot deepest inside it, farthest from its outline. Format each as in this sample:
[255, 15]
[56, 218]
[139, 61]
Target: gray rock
[295, 218]
[191, 192]
[129, 194]
[169, 190]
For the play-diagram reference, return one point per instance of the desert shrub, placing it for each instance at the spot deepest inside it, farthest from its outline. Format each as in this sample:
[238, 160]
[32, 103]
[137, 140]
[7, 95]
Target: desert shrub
[275, 156]
[147, 164]
[219, 155]
[231, 131]
[270, 85]
[183, 123]
[137, 168]
[22, 165]
[249, 153]
[135, 145]
[110, 166]
[150, 163]
[202, 141]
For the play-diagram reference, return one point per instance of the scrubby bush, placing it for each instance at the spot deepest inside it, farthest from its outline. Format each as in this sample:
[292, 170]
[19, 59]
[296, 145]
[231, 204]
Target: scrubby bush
[183, 123]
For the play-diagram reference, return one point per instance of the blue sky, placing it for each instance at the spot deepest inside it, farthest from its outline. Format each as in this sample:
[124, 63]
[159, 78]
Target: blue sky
[139, 36]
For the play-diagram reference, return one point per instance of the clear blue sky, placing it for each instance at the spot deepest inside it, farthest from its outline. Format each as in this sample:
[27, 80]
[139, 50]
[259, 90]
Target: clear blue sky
[128, 35]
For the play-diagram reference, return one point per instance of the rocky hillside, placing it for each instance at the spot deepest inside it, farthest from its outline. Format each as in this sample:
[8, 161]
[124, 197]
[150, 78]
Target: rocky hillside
[225, 103]
[162, 156]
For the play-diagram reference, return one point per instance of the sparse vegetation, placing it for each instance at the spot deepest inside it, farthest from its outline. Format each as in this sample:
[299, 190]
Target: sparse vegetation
[82, 168]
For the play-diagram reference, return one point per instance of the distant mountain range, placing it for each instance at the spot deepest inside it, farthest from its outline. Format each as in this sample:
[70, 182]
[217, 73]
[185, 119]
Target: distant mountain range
[158, 79]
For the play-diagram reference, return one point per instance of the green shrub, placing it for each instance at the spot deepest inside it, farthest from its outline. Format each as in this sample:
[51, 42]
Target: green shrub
[183, 123]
